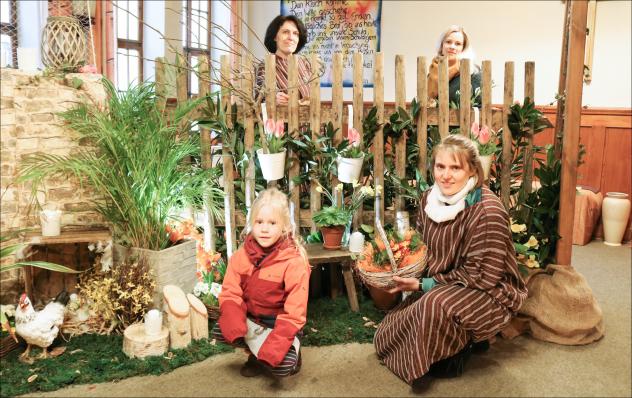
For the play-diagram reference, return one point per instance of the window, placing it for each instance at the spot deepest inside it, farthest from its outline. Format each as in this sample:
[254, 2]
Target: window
[129, 43]
[196, 34]
[8, 33]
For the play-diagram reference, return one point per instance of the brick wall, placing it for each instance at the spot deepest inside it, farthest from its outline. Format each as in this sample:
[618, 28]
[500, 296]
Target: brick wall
[29, 104]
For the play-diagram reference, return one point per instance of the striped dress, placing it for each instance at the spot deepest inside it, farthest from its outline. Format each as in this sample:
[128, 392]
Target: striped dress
[478, 290]
[304, 76]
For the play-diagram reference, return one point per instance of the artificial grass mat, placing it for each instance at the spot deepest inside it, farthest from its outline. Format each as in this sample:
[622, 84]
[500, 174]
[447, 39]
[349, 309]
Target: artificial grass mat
[92, 358]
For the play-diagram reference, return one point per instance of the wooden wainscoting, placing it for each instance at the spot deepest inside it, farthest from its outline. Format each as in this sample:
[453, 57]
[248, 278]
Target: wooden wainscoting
[606, 134]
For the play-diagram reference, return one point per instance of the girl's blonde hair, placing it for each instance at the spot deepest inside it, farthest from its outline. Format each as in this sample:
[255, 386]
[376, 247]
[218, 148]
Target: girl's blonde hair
[276, 199]
[464, 150]
[448, 32]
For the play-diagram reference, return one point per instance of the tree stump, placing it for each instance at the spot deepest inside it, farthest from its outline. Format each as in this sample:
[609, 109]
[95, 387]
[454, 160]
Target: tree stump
[137, 344]
[176, 306]
[199, 318]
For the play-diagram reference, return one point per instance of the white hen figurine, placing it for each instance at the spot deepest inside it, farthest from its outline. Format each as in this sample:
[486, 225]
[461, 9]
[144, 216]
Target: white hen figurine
[39, 327]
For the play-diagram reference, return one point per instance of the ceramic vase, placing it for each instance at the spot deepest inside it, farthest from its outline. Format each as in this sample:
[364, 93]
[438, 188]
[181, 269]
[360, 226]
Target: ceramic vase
[615, 211]
[349, 169]
[272, 164]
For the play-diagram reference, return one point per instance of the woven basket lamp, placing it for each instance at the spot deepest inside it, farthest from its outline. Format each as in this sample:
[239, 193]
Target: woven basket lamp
[63, 43]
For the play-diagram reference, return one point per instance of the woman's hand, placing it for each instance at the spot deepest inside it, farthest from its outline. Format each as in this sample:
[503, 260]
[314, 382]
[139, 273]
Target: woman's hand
[282, 98]
[405, 285]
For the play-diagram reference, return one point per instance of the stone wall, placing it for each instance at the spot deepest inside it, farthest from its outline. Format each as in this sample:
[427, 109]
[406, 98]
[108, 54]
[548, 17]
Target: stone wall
[29, 124]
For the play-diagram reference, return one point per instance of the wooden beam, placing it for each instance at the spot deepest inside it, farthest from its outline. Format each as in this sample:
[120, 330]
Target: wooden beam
[572, 117]
[561, 85]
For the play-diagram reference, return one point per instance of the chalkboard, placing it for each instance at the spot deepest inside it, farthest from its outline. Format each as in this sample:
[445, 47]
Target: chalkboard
[340, 26]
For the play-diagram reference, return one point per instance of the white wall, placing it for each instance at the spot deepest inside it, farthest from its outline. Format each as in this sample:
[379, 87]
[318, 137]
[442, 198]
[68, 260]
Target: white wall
[501, 31]
[153, 43]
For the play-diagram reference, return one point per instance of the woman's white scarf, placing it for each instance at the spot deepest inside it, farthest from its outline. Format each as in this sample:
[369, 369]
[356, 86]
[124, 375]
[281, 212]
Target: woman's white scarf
[442, 208]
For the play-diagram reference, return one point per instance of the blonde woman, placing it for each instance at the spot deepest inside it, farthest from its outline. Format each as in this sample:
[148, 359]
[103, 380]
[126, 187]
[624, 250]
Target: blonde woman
[266, 290]
[471, 287]
[454, 44]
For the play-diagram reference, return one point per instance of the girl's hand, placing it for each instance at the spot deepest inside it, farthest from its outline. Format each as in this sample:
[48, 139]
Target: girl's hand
[405, 285]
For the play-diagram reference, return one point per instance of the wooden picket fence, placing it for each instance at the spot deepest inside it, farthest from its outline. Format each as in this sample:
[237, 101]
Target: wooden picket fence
[318, 113]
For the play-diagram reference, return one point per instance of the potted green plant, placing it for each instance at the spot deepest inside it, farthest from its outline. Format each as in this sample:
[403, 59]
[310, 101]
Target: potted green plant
[333, 220]
[272, 155]
[350, 158]
[142, 168]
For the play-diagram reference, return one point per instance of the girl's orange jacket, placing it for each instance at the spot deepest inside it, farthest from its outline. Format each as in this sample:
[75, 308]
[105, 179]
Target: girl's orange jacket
[279, 287]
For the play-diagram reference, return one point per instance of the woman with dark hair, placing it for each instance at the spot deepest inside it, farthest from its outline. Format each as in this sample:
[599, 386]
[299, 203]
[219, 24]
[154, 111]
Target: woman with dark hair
[454, 44]
[286, 35]
[471, 286]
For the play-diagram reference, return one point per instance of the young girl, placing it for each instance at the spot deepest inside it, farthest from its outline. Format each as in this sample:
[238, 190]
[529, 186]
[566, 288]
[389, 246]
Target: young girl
[265, 290]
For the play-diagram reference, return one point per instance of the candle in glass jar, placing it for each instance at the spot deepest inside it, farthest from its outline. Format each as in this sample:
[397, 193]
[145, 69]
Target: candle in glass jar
[350, 120]
[264, 113]
[153, 322]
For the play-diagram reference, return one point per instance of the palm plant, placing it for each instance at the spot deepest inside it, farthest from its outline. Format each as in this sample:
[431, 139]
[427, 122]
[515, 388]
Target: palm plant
[143, 164]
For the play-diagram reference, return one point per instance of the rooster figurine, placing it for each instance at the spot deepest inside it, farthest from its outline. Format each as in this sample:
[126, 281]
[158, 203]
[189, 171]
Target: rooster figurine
[39, 327]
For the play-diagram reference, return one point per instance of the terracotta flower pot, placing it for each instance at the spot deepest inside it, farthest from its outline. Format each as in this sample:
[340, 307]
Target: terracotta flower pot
[382, 299]
[332, 236]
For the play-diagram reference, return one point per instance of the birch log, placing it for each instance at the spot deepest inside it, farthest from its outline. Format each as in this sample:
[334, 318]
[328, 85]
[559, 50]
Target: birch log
[138, 344]
[176, 306]
[199, 318]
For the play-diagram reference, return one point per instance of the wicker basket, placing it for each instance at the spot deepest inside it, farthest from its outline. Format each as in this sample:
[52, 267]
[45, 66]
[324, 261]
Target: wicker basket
[213, 312]
[384, 280]
[7, 344]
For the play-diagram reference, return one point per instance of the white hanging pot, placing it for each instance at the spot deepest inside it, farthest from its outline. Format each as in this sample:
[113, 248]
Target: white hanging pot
[349, 169]
[486, 162]
[615, 210]
[272, 164]
[51, 222]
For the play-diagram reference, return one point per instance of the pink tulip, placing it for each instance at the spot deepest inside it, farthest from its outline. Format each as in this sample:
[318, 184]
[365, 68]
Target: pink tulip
[484, 135]
[475, 130]
[353, 136]
[88, 69]
[280, 128]
[269, 126]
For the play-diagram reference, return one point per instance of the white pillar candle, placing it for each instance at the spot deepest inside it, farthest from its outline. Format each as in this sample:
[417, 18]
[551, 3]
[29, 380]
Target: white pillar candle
[356, 242]
[153, 322]
[350, 121]
[50, 221]
[264, 113]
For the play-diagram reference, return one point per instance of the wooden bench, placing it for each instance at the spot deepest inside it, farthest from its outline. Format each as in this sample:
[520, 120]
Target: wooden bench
[316, 255]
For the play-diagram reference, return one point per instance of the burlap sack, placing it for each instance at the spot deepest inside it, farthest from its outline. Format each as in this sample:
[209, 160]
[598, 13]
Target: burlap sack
[560, 309]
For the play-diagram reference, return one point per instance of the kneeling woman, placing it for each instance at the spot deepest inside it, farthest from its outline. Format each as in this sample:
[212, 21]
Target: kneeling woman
[471, 286]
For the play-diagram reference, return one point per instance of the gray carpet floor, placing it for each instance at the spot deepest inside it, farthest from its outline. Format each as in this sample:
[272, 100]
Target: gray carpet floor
[522, 367]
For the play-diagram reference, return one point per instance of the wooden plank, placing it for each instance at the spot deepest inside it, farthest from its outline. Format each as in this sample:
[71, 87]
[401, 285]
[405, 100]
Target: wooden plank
[465, 104]
[486, 94]
[326, 113]
[249, 126]
[271, 86]
[444, 98]
[572, 116]
[67, 237]
[505, 178]
[561, 85]
[314, 122]
[529, 91]
[161, 92]
[227, 162]
[422, 119]
[293, 131]
[336, 104]
[378, 141]
[400, 143]
[204, 88]
[358, 113]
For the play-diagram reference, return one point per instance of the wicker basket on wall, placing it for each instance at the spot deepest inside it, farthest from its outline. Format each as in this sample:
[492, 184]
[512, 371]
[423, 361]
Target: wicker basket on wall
[63, 43]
